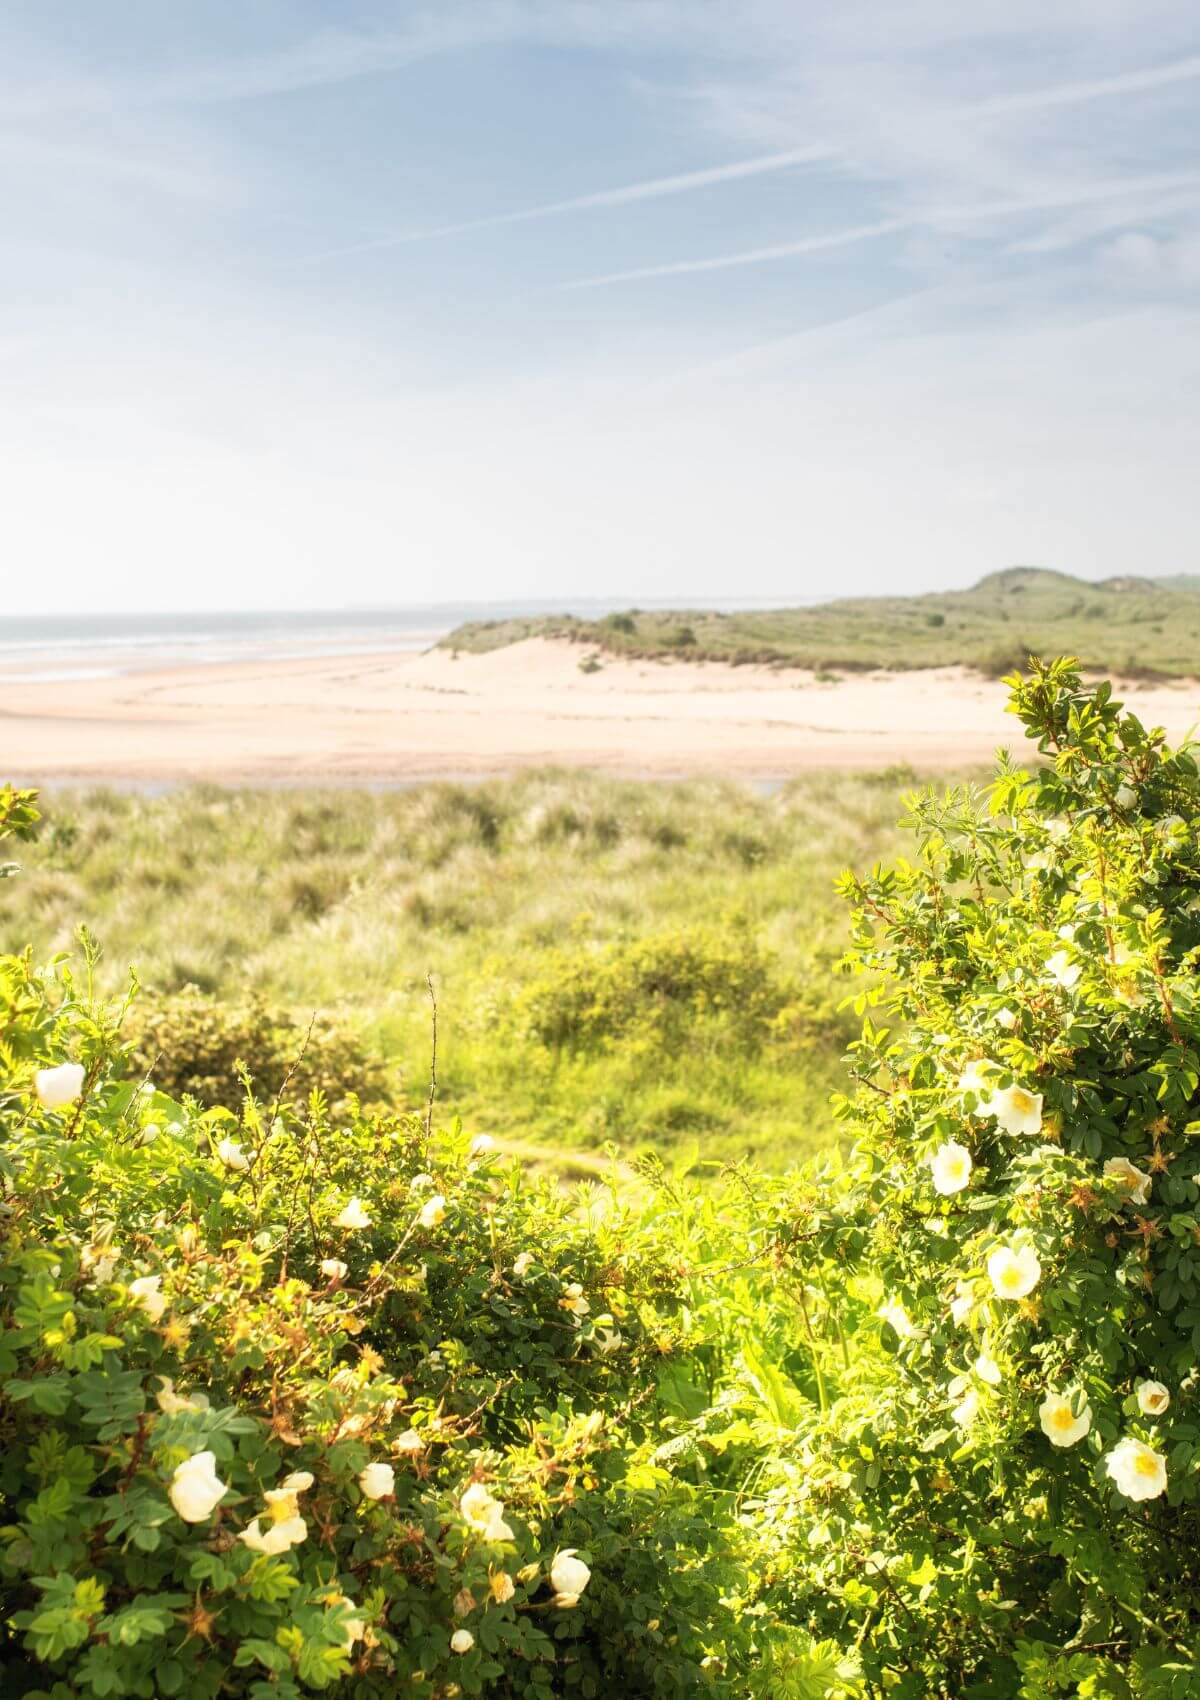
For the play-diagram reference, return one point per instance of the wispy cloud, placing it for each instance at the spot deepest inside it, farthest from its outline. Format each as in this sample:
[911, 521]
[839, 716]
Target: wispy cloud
[1100, 88]
[947, 218]
[651, 188]
[748, 256]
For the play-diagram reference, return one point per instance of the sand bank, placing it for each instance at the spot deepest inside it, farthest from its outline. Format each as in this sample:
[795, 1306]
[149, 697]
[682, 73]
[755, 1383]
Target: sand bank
[402, 717]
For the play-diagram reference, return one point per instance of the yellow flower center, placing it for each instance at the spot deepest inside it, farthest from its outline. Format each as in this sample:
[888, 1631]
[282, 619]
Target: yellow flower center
[1010, 1279]
[1145, 1464]
[1022, 1101]
[1062, 1418]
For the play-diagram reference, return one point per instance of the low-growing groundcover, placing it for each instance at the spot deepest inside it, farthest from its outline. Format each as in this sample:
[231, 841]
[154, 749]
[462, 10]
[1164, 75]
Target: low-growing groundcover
[295, 1401]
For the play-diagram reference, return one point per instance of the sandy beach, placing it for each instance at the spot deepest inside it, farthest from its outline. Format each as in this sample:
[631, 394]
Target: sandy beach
[396, 717]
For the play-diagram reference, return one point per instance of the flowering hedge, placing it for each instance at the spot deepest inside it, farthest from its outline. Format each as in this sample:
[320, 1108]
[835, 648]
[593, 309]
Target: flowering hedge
[997, 1493]
[292, 1403]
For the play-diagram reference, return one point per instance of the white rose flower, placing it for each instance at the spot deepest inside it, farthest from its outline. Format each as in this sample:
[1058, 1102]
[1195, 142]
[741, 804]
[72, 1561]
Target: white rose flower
[147, 1293]
[171, 1403]
[894, 1312]
[1137, 1469]
[1040, 861]
[433, 1211]
[334, 1269]
[951, 1168]
[1067, 932]
[1153, 1398]
[461, 1641]
[354, 1215]
[1006, 1018]
[298, 1482]
[1062, 970]
[277, 1537]
[1058, 828]
[1016, 1110]
[1134, 1182]
[987, 1369]
[608, 1340]
[99, 1262]
[574, 1300]
[1013, 1271]
[569, 1576]
[377, 1481]
[196, 1488]
[421, 1183]
[976, 1079]
[1061, 1423]
[482, 1144]
[58, 1087]
[231, 1154]
[523, 1263]
[501, 1586]
[282, 1502]
[967, 1409]
[1126, 796]
[484, 1513]
[354, 1627]
[408, 1444]
[962, 1304]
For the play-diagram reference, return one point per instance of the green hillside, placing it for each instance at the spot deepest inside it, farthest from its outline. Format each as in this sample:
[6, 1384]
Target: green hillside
[1129, 625]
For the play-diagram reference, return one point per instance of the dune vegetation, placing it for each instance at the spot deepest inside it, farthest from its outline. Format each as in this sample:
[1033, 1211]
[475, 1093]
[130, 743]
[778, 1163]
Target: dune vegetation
[1132, 626]
[314, 1394]
[651, 965]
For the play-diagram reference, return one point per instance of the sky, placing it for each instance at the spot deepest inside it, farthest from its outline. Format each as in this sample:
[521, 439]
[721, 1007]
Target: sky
[309, 304]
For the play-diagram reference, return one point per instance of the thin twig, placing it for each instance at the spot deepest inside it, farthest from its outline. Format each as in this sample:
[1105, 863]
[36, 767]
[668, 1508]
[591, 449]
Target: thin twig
[291, 1069]
[432, 1059]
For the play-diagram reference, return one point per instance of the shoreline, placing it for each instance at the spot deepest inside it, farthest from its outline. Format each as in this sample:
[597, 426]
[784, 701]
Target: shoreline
[393, 719]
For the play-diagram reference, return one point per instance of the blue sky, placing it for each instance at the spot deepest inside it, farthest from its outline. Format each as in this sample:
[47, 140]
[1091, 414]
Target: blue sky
[308, 304]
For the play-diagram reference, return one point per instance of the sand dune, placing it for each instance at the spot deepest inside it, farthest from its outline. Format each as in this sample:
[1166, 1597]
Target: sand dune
[404, 716]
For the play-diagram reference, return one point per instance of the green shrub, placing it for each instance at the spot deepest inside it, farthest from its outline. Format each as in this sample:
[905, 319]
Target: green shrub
[292, 1402]
[997, 1493]
[658, 992]
[179, 1287]
[199, 1046]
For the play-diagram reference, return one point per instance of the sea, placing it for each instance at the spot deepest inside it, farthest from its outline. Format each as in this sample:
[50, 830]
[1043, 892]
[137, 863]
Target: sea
[39, 648]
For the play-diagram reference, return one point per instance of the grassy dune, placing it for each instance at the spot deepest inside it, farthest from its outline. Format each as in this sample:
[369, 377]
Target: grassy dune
[614, 961]
[1130, 626]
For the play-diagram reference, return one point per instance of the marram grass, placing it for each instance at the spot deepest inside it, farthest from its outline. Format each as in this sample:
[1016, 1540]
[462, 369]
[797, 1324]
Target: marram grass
[344, 901]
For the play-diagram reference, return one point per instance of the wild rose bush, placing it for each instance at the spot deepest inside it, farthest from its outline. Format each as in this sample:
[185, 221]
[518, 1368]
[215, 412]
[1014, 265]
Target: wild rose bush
[995, 1491]
[295, 1403]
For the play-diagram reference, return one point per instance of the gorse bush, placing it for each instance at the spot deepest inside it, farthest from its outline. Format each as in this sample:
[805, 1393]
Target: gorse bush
[997, 1492]
[204, 1047]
